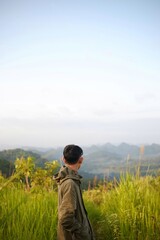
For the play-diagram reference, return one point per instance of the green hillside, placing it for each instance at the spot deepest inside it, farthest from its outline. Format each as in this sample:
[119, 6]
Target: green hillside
[8, 157]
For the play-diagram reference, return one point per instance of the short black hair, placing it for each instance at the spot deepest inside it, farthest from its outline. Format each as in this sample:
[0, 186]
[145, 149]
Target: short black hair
[72, 153]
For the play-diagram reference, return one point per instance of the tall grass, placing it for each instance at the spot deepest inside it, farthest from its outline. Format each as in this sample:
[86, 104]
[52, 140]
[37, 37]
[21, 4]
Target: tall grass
[27, 216]
[130, 210]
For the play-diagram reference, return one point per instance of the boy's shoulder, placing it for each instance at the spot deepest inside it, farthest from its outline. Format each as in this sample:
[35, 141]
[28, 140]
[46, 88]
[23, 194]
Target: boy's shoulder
[70, 181]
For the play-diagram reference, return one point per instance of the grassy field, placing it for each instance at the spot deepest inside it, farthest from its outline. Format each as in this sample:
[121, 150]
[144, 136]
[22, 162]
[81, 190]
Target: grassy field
[129, 210]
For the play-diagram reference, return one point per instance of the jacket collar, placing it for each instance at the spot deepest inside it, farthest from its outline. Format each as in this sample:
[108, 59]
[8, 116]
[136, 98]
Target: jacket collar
[67, 173]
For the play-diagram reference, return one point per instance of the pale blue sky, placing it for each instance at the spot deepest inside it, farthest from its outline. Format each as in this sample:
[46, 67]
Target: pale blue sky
[82, 72]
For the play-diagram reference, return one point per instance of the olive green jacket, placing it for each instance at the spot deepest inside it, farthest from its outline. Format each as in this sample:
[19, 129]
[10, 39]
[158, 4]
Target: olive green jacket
[73, 223]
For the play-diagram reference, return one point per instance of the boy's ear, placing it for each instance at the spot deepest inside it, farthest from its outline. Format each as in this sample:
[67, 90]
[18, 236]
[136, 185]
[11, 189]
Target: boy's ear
[80, 160]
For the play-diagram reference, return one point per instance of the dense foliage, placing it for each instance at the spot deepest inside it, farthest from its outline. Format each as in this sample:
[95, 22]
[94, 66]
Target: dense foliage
[6, 167]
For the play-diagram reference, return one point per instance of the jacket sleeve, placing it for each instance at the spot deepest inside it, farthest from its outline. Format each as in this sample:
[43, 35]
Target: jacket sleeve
[68, 207]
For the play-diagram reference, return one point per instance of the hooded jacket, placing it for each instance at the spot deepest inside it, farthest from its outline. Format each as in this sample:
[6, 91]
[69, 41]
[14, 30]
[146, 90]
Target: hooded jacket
[73, 223]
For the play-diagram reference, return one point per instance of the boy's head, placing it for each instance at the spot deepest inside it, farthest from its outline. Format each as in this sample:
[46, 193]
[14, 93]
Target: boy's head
[72, 154]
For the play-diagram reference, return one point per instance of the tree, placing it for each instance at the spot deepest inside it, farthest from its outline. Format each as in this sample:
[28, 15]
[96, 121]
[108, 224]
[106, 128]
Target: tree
[26, 167]
[42, 179]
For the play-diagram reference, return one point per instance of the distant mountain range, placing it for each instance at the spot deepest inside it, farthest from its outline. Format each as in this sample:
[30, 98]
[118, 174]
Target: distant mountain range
[122, 150]
[105, 159]
[109, 159]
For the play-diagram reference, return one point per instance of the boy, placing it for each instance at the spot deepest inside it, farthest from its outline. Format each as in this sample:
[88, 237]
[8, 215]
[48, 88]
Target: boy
[73, 223]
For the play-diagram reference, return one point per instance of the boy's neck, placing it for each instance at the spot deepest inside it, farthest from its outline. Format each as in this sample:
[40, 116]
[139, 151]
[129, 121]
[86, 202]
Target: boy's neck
[73, 167]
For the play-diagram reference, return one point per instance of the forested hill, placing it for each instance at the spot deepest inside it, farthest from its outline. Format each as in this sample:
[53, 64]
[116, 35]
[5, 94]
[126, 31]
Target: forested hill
[8, 157]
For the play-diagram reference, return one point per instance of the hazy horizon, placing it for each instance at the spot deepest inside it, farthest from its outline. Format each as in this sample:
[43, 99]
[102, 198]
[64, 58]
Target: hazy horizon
[46, 148]
[79, 72]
